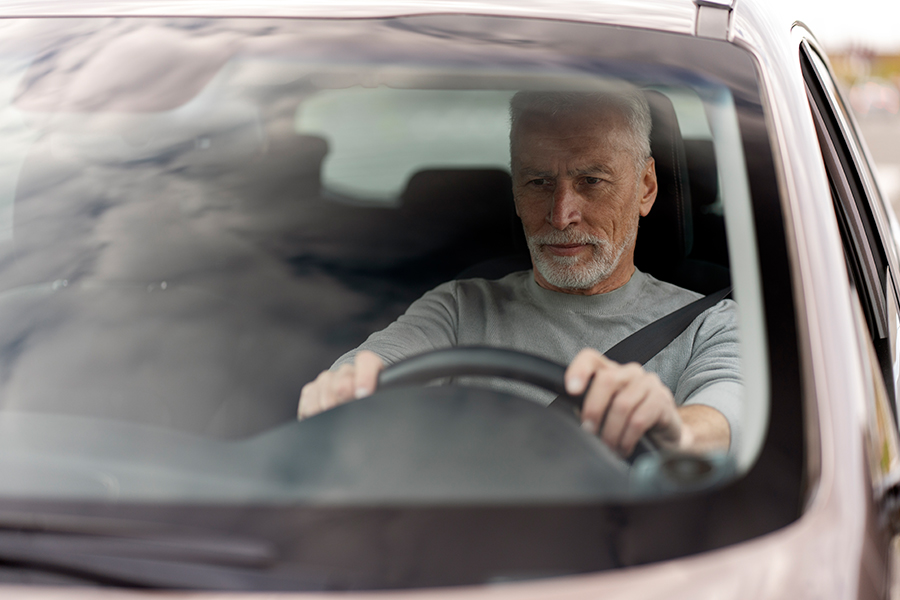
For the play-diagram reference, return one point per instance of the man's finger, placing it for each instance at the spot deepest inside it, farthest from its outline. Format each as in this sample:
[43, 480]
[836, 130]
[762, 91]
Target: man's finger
[310, 396]
[641, 420]
[633, 386]
[338, 387]
[305, 399]
[579, 372]
[368, 366]
[607, 382]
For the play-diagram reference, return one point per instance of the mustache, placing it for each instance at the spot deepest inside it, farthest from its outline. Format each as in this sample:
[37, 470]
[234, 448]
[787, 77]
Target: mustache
[567, 237]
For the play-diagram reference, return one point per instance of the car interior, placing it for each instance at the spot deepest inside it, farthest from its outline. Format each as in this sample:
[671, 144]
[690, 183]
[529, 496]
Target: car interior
[263, 237]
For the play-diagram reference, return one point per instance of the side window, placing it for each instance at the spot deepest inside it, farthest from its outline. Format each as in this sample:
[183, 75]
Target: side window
[882, 438]
[861, 216]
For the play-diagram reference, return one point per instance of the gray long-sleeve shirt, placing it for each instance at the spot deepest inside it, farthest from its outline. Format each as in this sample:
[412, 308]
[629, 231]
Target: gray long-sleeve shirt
[701, 366]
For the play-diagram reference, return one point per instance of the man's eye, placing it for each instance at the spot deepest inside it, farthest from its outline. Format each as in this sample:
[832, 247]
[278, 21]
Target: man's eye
[538, 182]
[592, 180]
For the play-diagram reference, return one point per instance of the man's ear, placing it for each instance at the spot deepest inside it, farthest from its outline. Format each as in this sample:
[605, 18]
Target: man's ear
[648, 187]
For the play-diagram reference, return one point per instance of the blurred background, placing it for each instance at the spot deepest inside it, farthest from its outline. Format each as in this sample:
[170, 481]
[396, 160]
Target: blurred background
[862, 38]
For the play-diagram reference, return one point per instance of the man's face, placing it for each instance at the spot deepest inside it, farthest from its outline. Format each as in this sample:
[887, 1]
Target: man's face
[579, 195]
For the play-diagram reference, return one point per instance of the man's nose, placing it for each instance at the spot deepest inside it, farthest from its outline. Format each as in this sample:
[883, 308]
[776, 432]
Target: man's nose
[566, 207]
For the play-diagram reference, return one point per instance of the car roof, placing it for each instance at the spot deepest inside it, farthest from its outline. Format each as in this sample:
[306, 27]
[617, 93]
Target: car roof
[741, 21]
[677, 16]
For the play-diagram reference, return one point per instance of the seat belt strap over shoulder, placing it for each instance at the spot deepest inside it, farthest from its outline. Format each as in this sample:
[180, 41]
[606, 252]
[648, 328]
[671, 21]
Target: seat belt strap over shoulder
[647, 342]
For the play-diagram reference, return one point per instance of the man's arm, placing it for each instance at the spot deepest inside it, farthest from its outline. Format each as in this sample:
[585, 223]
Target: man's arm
[429, 323]
[712, 378]
[624, 402]
[707, 428]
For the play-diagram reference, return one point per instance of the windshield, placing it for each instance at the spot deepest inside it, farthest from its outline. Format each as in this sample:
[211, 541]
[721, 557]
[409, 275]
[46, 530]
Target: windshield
[200, 216]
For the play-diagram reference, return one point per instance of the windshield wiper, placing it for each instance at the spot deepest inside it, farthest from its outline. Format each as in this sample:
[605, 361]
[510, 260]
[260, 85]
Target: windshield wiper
[135, 572]
[131, 537]
[138, 554]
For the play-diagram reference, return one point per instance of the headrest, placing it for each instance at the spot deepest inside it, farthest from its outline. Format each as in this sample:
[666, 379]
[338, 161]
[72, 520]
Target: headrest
[704, 178]
[665, 236]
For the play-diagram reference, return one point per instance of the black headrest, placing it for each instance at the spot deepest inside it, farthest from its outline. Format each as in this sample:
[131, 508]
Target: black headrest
[666, 236]
[704, 179]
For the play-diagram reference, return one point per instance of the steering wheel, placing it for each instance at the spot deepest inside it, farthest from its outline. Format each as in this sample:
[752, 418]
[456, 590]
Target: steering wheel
[480, 360]
[665, 469]
[491, 362]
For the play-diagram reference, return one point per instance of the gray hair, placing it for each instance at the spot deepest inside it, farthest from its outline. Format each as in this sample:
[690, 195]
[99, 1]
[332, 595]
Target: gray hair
[630, 102]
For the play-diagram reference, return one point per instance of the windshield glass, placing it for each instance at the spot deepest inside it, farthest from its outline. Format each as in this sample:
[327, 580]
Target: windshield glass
[200, 216]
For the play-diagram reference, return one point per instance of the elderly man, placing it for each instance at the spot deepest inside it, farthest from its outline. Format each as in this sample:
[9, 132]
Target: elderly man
[582, 177]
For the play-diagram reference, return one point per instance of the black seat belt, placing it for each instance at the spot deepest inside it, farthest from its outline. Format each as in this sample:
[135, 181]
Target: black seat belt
[647, 342]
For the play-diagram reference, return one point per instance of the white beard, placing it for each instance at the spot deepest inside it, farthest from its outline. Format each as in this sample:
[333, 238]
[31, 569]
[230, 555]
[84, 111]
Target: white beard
[574, 272]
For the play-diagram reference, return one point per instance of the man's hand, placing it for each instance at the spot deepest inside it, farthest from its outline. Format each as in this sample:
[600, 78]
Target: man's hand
[627, 402]
[348, 382]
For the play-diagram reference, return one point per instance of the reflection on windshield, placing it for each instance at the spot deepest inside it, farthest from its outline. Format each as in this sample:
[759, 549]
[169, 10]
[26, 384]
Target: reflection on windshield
[189, 235]
[183, 267]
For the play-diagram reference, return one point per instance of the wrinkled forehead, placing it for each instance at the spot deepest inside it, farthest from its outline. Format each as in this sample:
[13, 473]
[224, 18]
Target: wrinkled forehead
[607, 125]
[600, 115]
